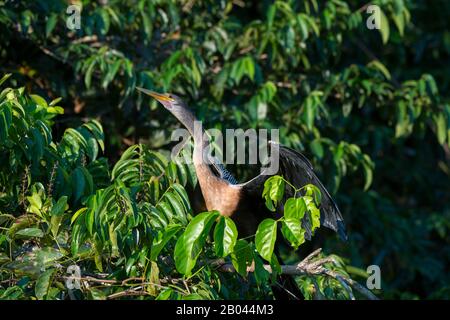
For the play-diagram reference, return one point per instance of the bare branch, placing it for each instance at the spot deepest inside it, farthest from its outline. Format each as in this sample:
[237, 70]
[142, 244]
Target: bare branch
[311, 268]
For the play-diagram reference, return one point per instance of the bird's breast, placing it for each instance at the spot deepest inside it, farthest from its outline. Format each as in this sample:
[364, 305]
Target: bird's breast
[218, 194]
[223, 198]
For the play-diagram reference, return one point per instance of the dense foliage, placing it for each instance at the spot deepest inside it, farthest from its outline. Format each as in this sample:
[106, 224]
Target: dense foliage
[132, 223]
[364, 105]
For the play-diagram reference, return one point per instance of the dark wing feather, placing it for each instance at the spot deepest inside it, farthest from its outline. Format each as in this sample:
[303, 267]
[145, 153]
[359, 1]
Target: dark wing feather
[219, 169]
[296, 169]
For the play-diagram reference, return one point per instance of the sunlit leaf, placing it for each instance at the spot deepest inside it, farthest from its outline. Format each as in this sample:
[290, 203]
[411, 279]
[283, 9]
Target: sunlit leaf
[265, 238]
[225, 236]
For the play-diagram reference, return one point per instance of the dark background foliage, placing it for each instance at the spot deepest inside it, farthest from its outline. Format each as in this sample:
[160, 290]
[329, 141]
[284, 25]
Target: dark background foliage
[370, 108]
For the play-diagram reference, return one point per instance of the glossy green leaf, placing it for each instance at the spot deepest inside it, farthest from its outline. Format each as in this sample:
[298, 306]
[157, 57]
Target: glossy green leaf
[265, 238]
[273, 191]
[225, 236]
[242, 256]
[295, 208]
[293, 232]
[190, 244]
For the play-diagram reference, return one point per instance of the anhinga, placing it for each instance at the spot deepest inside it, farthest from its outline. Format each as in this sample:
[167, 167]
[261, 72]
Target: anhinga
[243, 202]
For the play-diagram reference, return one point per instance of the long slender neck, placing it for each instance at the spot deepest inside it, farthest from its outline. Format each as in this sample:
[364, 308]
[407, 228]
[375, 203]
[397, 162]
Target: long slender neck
[188, 119]
[195, 128]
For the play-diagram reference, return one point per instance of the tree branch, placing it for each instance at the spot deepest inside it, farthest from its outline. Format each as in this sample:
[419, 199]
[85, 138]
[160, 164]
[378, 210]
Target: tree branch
[311, 268]
[308, 266]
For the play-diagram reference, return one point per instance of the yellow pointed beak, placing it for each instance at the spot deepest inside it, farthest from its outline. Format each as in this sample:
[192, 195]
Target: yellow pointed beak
[161, 97]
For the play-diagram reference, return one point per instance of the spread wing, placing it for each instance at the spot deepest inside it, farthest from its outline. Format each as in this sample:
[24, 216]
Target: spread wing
[296, 169]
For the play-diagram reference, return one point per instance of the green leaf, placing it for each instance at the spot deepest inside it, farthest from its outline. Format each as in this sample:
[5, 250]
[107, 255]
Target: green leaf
[97, 294]
[47, 256]
[60, 206]
[193, 296]
[90, 219]
[262, 276]
[105, 22]
[441, 127]
[35, 203]
[368, 176]
[112, 71]
[273, 191]
[295, 208]
[177, 206]
[89, 187]
[242, 256]
[377, 65]
[316, 148]
[148, 26]
[384, 27]
[181, 192]
[399, 20]
[265, 238]
[55, 101]
[4, 78]
[225, 236]
[315, 217]
[43, 284]
[293, 232]
[301, 21]
[38, 100]
[30, 233]
[98, 254]
[161, 240]
[88, 75]
[78, 183]
[113, 239]
[314, 191]
[5, 123]
[275, 265]
[77, 214]
[271, 15]
[241, 67]
[165, 294]
[310, 112]
[190, 244]
[50, 25]
[165, 208]
[55, 222]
